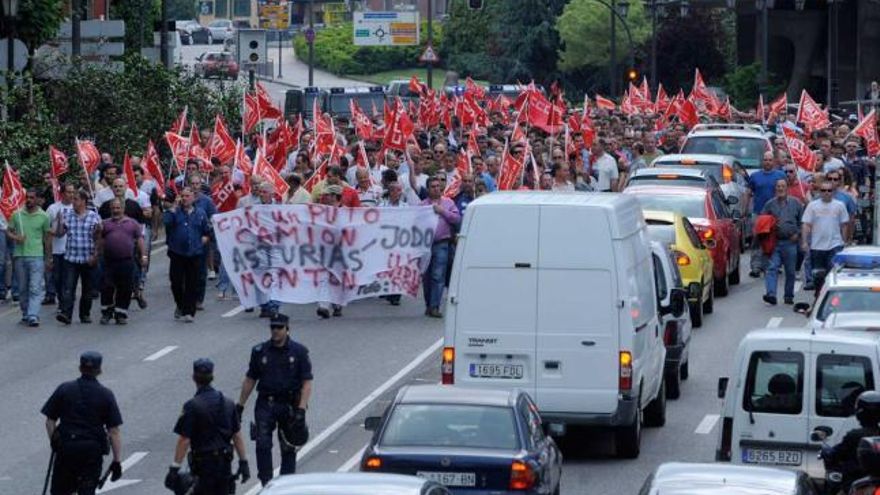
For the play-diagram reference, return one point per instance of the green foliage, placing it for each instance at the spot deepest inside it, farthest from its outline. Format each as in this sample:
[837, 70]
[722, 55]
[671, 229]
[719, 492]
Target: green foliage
[139, 17]
[121, 112]
[182, 10]
[336, 52]
[699, 40]
[38, 21]
[585, 29]
[466, 48]
[742, 86]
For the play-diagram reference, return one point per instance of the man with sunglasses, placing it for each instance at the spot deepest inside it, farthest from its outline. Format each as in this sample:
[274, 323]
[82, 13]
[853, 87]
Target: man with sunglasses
[824, 227]
[835, 178]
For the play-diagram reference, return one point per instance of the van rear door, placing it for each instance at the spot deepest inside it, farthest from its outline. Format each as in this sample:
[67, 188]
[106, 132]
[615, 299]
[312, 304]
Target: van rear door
[494, 298]
[577, 344]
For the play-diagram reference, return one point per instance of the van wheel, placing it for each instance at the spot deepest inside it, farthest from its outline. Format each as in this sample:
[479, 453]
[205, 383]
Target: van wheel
[709, 305]
[721, 286]
[558, 489]
[673, 384]
[628, 439]
[733, 279]
[655, 413]
[696, 310]
[685, 370]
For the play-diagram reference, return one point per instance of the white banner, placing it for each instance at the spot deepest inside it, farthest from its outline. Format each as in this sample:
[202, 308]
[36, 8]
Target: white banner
[311, 252]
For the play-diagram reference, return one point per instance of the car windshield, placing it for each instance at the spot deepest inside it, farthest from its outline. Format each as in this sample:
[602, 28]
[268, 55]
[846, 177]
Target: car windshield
[688, 205]
[339, 103]
[219, 23]
[442, 425]
[713, 169]
[748, 151]
[848, 301]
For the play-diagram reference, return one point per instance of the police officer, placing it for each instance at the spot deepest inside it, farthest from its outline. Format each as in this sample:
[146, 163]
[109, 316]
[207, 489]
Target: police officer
[207, 426]
[844, 455]
[282, 373]
[80, 416]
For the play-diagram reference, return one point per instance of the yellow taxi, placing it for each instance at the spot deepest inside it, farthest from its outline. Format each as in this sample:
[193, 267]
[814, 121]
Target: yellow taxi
[691, 254]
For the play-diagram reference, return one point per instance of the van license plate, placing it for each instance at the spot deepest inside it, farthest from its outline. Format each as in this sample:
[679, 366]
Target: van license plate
[508, 371]
[772, 456]
[449, 479]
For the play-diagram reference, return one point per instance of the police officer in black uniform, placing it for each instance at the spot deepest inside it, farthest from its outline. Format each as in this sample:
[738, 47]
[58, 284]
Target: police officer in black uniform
[80, 416]
[208, 427]
[845, 454]
[282, 372]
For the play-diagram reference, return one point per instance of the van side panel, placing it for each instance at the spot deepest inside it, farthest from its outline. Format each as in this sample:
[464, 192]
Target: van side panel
[577, 343]
[495, 298]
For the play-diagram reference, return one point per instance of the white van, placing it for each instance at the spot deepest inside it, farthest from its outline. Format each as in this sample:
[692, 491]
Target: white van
[554, 293]
[785, 383]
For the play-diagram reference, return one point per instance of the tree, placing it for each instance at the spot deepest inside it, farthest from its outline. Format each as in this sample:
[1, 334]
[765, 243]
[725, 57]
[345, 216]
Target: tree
[140, 17]
[182, 9]
[466, 48]
[38, 21]
[585, 29]
[698, 40]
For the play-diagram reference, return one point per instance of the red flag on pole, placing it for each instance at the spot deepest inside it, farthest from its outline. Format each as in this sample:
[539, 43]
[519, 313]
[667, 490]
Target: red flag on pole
[362, 124]
[687, 114]
[223, 195]
[800, 153]
[153, 167]
[268, 110]
[264, 169]
[179, 149]
[179, 123]
[222, 144]
[811, 114]
[13, 192]
[251, 115]
[88, 155]
[605, 103]
[58, 161]
[867, 130]
[128, 170]
[779, 106]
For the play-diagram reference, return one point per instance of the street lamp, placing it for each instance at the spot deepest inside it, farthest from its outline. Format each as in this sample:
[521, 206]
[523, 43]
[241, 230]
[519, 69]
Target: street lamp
[10, 11]
[623, 8]
[764, 6]
[618, 11]
[833, 52]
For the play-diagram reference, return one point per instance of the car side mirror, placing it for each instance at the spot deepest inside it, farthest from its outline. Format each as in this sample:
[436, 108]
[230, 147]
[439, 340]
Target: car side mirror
[732, 200]
[802, 308]
[555, 430]
[709, 243]
[371, 423]
[677, 301]
[722, 386]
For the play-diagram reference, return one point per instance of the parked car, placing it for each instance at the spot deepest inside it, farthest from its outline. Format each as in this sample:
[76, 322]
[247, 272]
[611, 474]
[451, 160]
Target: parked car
[726, 170]
[222, 29]
[338, 100]
[399, 88]
[470, 440]
[708, 213]
[195, 32]
[216, 64]
[350, 483]
[745, 142]
[691, 256]
[682, 478]
[587, 358]
[676, 323]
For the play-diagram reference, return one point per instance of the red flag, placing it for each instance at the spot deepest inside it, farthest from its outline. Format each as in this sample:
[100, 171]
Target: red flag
[265, 170]
[662, 101]
[397, 131]
[779, 106]
[760, 112]
[197, 151]
[473, 89]
[704, 99]
[454, 187]
[179, 149]
[626, 105]
[223, 195]
[13, 193]
[471, 112]
[251, 115]
[153, 167]
[362, 160]
[518, 135]
[58, 161]
[687, 114]
[362, 124]
[646, 90]
[511, 170]
[129, 174]
[222, 145]
[725, 111]
[811, 114]
[268, 110]
[179, 123]
[472, 147]
[415, 86]
[867, 130]
[56, 189]
[800, 153]
[605, 103]
[88, 155]
[318, 176]
[463, 163]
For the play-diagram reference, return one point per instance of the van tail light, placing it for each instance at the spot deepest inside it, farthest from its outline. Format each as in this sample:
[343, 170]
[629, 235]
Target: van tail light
[681, 259]
[707, 234]
[724, 451]
[522, 476]
[670, 333]
[727, 174]
[447, 366]
[373, 463]
[626, 371]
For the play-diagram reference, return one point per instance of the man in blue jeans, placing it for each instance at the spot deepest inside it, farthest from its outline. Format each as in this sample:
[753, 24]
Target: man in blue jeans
[434, 278]
[762, 185]
[787, 211]
[30, 230]
[825, 224]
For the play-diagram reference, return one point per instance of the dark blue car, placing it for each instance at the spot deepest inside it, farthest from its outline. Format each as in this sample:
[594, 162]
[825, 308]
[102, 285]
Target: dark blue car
[474, 441]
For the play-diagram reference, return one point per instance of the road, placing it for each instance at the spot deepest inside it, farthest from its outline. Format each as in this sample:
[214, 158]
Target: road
[359, 361]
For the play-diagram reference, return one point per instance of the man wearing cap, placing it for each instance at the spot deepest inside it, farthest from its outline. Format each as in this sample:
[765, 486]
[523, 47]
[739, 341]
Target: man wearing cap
[330, 196]
[281, 371]
[80, 416]
[209, 427]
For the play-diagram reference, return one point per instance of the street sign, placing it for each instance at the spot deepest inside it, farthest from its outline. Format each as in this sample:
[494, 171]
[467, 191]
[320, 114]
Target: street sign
[310, 35]
[429, 55]
[274, 14]
[94, 29]
[19, 54]
[386, 28]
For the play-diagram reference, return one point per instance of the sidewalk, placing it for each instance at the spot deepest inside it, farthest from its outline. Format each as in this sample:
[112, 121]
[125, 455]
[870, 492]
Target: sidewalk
[295, 73]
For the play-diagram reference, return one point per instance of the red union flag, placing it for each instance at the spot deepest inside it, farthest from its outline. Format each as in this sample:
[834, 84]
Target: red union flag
[663, 100]
[605, 103]
[223, 195]
[179, 149]
[362, 124]
[268, 110]
[153, 167]
[811, 114]
[179, 123]
[129, 174]
[58, 161]
[13, 195]
[779, 106]
[222, 144]
[687, 114]
[867, 130]
[88, 155]
[251, 116]
[264, 169]
[511, 170]
[800, 153]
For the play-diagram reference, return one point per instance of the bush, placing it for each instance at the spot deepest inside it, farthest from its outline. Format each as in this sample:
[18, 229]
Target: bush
[336, 52]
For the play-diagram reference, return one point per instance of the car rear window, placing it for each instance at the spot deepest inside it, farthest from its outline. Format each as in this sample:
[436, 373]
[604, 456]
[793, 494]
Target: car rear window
[839, 381]
[664, 233]
[748, 151]
[713, 169]
[775, 383]
[667, 180]
[442, 425]
[848, 301]
[689, 205]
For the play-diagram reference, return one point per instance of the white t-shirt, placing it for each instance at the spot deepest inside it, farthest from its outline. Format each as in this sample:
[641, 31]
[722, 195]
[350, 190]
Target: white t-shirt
[58, 243]
[831, 165]
[825, 220]
[606, 168]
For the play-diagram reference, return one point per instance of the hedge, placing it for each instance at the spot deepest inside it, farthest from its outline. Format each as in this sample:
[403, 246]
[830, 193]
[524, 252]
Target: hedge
[335, 51]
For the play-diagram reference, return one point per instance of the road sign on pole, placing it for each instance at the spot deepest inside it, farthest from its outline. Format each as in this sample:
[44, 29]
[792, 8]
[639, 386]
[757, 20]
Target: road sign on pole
[386, 28]
[429, 55]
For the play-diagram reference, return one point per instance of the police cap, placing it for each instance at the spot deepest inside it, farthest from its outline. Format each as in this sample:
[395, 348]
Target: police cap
[279, 320]
[91, 360]
[203, 366]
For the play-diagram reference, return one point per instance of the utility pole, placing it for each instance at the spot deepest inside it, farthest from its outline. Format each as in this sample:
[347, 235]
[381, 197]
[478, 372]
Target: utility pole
[612, 72]
[310, 38]
[431, 41]
[765, 44]
[653, 45]
[163, 35]
[75, 33]
[833, 54]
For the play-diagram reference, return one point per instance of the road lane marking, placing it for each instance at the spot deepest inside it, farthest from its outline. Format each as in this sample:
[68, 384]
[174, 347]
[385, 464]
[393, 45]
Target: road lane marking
[159, 249]
[352, 461]
[706, 425]
[345, 418]
[234, 311]
[126, 464]
[161, 352]
[798, 286]
[774, 322]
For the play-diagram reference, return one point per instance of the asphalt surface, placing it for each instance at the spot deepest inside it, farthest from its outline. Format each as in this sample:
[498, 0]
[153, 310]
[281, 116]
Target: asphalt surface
[359, 362]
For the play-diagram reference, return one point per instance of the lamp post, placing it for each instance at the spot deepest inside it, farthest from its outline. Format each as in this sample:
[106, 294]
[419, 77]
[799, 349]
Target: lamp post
[833, 52]
[763, 6]
[10, 12]
[310, 38]
[619, 10]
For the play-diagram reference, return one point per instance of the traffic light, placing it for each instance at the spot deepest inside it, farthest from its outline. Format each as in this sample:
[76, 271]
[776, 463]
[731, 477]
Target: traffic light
[632, 75]
[475, 4]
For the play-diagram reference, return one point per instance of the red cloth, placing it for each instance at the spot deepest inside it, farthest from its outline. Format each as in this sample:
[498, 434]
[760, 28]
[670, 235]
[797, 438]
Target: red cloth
[765, 230]
[350, 197]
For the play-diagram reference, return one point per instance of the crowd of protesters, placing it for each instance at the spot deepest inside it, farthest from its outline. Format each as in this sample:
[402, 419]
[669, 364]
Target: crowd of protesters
[100, 233]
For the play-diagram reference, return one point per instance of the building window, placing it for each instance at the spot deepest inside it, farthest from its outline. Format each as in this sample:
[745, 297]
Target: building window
[221, 8]
[242, 8]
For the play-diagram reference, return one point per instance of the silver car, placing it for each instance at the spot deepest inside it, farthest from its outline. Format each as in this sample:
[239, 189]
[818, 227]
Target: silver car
[351, 483]
[679, 478]
[727, 171]
[221, 29]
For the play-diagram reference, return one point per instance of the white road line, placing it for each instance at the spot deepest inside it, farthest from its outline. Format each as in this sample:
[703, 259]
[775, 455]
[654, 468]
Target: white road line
[234, 311]
[133, 459]
[159, 249]
[345, 418]
[774, 322]
[161, 352]
[706, 425]
[126, 464]
[352, 462]
[798, 286]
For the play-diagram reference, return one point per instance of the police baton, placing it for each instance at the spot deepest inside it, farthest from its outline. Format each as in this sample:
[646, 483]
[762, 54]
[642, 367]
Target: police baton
[49, 471]
[104, 478]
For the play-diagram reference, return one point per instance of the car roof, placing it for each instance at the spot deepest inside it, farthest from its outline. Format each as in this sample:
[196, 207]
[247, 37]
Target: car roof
[864, 320]
[700, 158]
[450, 394]
[697, 478]
[542, 198]
[344, 483]
[800, 334]
[856, 278]
[729, 133]
[666, 190]
[683, 171]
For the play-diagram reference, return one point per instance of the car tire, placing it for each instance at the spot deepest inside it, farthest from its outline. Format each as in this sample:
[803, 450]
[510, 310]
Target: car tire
[709, 305]
[673, 384]
[734, 278]
[655, 413]
[685, 370]
[628, 439]
[722, 286]
[558, 489]
[696, 311]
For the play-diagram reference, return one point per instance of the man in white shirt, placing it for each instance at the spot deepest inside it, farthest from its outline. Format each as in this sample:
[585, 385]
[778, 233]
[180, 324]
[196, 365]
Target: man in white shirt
[56, 211]
[829, 162]
[605, 168]
[824, 227]
[368, 193]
